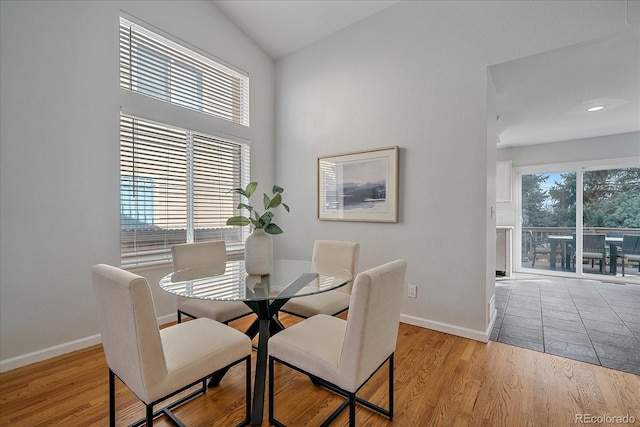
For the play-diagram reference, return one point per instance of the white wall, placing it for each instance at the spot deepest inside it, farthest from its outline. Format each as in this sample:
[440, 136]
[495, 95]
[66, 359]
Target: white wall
[579, 150]
[415, 75]
[60, 156]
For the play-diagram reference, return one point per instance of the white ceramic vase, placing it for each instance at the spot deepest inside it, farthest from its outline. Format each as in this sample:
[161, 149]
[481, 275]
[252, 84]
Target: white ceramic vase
[258, 252]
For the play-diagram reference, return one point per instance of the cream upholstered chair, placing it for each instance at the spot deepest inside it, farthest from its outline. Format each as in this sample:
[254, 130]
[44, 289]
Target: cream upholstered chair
[330, 253]
[343, 354]
[156, 364]
[205, 254]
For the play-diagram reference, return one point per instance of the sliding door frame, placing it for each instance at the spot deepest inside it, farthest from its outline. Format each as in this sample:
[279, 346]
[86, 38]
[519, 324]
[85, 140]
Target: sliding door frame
[579, 168]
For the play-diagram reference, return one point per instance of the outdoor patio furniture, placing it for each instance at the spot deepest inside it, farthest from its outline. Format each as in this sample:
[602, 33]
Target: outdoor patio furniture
[630, 249]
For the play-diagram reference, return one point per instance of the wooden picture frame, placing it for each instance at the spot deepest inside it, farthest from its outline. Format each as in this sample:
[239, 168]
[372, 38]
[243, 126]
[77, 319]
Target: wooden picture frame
[359, 186]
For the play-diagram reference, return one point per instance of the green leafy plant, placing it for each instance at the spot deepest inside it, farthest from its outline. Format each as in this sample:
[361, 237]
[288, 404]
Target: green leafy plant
[256, 219]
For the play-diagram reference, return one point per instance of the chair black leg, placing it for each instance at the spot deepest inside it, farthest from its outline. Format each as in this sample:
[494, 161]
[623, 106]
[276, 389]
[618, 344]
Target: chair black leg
[391, 367]
[271, 387]
[272, 418]
[352, 410]
[112, 399]
[351, 400]
[248, 389]
[149, 415]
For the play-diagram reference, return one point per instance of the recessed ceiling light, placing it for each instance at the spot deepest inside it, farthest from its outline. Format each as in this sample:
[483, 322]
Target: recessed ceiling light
[596, 108]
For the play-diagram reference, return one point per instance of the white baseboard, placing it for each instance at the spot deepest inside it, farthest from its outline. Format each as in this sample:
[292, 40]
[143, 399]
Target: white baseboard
[48, 353]
[60, 349]
[492, 321]
[447, 328]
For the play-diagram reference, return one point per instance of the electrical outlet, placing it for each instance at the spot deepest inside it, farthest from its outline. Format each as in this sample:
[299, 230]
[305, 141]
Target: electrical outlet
[412, 291]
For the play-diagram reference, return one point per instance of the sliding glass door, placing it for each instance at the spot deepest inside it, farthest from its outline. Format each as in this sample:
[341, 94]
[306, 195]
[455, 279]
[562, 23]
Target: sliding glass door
[574, 220]
[548, 220]
[611, 210]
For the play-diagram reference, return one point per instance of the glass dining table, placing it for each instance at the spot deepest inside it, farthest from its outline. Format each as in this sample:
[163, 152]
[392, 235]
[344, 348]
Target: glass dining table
[265, 295]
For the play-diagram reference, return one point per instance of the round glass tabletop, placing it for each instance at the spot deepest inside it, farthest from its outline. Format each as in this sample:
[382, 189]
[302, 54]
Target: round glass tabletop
[289, 279]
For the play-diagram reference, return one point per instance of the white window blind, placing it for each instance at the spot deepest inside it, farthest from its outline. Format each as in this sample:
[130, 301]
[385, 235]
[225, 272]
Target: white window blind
[175, 187]
[154, 65]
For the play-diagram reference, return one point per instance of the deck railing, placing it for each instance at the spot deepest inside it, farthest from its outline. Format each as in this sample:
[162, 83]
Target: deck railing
[540, 235]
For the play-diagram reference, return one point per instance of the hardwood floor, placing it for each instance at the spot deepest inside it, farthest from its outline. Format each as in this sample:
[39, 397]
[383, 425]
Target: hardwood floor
[440, 380]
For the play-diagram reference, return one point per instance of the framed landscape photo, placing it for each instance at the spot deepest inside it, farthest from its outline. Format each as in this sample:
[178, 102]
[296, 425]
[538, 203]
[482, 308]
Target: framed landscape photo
[360, 186]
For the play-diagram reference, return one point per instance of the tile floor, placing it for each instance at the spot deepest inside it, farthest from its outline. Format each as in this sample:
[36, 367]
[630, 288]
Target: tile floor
[579, 319]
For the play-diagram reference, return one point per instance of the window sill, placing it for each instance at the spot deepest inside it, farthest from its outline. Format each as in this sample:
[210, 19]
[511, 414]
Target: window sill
[232, 255]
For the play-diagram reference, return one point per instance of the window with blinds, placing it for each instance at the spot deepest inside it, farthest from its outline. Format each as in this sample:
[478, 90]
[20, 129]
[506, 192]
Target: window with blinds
[175, 187]
[154, 65]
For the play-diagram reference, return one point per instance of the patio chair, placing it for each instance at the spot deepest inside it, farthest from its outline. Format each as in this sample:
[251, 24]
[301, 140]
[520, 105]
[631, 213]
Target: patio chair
[630, 249]
[594, 248]
[539, 248]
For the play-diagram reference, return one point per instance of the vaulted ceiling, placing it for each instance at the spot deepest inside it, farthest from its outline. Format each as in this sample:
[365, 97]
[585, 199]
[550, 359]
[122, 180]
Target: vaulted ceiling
[281, 27]
[540, 99]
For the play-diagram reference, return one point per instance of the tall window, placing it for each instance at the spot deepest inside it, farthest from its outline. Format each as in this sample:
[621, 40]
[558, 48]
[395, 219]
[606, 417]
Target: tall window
[176, 170]
[155, 66]
[175, 187]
